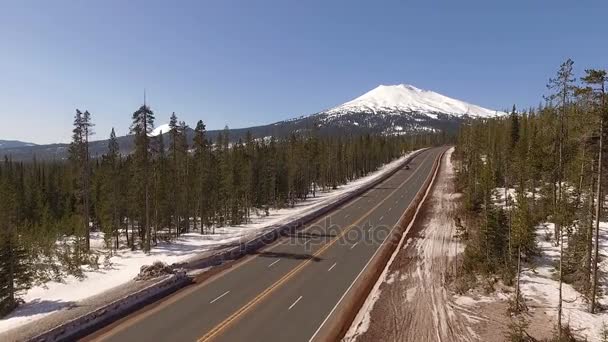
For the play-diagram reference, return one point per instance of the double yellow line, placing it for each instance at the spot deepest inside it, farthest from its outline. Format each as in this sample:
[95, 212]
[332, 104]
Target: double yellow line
[240, 312]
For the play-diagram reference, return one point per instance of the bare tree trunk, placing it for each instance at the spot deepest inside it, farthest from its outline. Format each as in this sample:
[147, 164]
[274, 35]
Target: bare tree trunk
[555, 209]
[561, 273]
[487, 235]
[509, 221]
[598, 213]
[517, 306]
[126, 228]
[155, 222]
[559, 219]
[589, 237]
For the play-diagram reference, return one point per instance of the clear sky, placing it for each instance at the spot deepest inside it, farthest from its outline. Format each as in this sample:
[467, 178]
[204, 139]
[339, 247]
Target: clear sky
[242, 63]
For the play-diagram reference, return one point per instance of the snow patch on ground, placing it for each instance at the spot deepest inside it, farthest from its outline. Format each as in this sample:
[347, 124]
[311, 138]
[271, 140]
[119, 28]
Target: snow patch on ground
[539, 287]
[125, 264]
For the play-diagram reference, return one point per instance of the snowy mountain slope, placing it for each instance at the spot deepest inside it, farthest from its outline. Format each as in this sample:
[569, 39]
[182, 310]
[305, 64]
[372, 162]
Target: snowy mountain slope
[398, 109]
[164, 128]
[407, 98]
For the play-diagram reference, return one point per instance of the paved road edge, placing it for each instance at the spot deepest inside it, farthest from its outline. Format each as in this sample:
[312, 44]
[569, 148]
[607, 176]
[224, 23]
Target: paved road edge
[339, 320]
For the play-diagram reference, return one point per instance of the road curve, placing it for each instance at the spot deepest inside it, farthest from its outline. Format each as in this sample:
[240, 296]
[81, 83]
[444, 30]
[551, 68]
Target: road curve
[286, 291]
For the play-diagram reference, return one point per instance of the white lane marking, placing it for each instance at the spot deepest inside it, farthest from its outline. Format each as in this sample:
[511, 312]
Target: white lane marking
[346, 216]
[218, 298]
[391, 208]
[399, 246]
[273, 263]
[332, 266]
[381, 217]
[401, 196]
[294, 303]
[353, 246]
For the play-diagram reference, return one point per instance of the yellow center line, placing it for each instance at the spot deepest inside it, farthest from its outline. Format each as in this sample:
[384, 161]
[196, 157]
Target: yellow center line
[186, 292]
[245, 308]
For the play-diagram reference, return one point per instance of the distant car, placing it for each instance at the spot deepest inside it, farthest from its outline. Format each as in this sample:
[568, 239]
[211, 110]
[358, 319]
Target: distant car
[407, 167]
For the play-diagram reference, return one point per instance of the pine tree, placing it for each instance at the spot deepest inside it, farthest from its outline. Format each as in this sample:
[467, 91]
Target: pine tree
[79, 155]
[201, 156]
[174, 132]
[563, 87]
[142, 126]
[162, 203]
[15, 266]
[110, 196]
[598, 79]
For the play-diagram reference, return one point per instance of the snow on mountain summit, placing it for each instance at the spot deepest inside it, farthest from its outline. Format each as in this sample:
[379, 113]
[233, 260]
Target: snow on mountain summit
[407, 98]
[162, 128]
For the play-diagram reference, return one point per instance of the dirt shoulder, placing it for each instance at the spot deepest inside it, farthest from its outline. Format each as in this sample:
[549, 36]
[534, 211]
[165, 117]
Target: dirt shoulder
[411, 302]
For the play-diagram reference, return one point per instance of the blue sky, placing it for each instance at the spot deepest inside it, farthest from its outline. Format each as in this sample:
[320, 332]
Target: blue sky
[242, 63]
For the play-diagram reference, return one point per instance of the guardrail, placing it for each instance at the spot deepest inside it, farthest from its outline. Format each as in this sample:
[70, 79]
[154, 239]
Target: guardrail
[89, 322]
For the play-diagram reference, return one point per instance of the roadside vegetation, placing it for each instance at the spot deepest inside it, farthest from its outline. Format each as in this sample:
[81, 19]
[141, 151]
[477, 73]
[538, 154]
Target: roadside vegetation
[540, 165]
[171, 184]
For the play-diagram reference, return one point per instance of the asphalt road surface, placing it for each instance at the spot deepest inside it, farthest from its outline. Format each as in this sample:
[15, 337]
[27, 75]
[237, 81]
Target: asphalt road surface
[286, 291]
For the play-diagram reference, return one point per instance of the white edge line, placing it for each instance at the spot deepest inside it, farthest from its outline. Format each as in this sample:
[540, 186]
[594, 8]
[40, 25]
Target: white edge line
[376, 252]
[218, 298]
[274, 263]
[294, 303]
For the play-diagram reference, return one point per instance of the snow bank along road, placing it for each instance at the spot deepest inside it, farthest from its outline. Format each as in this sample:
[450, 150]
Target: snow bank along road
[286, 291]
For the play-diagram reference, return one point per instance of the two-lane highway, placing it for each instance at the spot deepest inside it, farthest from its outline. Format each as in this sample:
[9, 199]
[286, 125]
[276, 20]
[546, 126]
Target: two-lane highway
[286, 291]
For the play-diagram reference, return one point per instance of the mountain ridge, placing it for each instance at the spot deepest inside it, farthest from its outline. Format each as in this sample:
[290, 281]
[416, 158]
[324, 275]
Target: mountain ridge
[4, 144]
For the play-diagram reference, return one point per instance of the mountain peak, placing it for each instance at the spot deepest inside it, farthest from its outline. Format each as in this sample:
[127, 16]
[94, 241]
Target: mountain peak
[399, 86]
[408, 98]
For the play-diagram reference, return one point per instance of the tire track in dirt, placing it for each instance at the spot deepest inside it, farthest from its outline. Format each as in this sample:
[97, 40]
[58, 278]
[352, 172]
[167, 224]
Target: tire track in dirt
[413, 303]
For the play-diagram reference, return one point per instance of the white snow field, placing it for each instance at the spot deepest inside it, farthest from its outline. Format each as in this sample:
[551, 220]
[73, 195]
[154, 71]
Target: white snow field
[51, 297]
[407, 98]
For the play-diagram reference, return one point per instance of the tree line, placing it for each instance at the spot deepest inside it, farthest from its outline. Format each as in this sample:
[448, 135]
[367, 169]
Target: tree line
[167, 186]
[554, 158]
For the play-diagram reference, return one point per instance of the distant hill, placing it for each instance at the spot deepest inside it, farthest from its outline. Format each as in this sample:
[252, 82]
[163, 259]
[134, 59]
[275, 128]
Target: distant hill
[14, 143]
[386, 109]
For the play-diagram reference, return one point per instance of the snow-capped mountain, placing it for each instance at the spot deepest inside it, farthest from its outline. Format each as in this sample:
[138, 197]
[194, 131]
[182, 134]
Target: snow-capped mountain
[400, 109]
[386, 109]
[407, 98]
